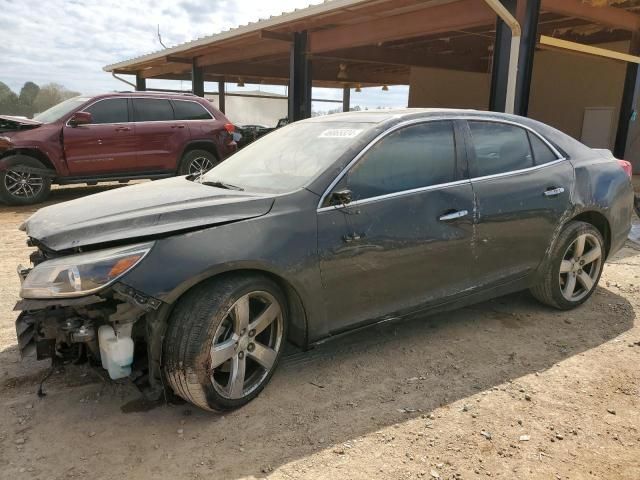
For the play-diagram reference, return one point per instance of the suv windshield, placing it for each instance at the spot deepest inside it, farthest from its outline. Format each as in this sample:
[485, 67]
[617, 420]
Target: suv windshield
[60, 110]
[287, 159]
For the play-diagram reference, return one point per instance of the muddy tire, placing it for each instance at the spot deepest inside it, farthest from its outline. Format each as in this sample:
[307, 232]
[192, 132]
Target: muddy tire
[572, 274]
[197, 162]
[19, 186]
[224, 340]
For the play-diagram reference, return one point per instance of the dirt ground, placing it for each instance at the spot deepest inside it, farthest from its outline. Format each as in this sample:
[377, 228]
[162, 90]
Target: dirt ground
[506, 389]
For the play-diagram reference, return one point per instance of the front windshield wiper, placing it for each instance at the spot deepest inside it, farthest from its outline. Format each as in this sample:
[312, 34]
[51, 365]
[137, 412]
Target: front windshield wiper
[216, 183]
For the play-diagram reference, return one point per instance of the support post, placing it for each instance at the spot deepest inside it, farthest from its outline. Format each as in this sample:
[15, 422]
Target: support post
[346, 99]
[141, 83]
[299, 78]
[500, 66]
[221, 96]
[529, 23]
[628, 103]
[197, 80]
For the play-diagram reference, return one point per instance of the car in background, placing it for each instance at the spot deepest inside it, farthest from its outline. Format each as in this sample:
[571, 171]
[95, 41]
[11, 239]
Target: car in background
[323, 226]
[110, 137]
[250, 133]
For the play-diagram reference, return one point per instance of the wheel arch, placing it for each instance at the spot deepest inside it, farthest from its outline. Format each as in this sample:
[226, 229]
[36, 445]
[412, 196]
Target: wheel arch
[207, 145]
[600, 222]
[30, 152]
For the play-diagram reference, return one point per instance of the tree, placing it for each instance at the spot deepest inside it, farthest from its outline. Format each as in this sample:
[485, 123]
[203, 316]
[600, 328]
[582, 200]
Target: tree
[27, 96]
[8, 101]
[51, 94]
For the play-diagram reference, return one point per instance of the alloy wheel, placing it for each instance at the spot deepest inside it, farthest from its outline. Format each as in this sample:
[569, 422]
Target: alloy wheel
[246, 345]
[200, 165]
[580, 267]
[21, 184]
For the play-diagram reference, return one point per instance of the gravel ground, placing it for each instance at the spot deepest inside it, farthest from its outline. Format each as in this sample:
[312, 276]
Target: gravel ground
[506, 389]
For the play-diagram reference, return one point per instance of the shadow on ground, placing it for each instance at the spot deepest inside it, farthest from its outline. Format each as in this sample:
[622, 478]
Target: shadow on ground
[342, 389]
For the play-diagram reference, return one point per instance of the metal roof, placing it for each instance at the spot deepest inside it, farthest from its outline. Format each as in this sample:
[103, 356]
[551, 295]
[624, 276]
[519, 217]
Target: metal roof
[251, 27]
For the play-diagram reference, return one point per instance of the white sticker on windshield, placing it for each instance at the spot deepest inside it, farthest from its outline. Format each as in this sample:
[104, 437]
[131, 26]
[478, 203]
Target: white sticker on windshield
[340, 133]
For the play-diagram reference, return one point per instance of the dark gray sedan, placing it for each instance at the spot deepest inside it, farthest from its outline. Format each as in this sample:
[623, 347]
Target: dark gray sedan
[317, 228]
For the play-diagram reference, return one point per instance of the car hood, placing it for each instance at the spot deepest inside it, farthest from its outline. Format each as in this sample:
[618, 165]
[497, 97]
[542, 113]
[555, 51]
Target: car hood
[144, 210]
[9, 123]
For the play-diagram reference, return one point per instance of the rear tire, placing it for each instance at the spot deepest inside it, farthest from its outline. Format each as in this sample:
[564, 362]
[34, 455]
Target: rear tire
[197, 162]
[224, 340]
[19, 187]
[572, 274]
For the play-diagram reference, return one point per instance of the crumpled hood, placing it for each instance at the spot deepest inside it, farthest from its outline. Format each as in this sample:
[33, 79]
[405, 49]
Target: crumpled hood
[10, 123]
[143, 210]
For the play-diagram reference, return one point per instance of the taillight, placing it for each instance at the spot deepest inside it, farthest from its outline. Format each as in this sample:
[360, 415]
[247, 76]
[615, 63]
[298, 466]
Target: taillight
[626, 166]
[229, 127]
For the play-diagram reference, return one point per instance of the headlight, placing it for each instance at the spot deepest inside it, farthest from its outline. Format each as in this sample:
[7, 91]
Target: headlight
[82, 274]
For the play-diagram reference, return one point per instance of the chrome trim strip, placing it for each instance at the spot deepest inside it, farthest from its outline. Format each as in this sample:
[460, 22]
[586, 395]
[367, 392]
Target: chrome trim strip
[482, 118]
[386, 196]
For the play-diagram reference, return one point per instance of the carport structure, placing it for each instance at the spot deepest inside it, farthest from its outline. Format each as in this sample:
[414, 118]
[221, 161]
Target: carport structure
[464, 53]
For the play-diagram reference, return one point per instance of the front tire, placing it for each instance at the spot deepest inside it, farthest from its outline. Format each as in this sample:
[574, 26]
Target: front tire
[224, 340]
[19, 185]
[574, 269]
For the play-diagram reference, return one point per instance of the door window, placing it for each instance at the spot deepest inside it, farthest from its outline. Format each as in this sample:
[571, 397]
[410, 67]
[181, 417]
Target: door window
[499, 148]
[190, 111]
[152, 110]
[111, 110]
[412, 157]
[541, 152]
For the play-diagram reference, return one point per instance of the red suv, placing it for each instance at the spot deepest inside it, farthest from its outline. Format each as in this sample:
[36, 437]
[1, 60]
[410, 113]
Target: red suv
[111, 137]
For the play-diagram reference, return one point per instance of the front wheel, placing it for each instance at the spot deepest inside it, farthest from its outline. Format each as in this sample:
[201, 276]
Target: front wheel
[22, 183]
[224, 340]
[573, 272]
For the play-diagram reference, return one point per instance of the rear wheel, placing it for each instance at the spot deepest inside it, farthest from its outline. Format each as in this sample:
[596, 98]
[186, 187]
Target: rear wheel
[197, 162]
[21, 184]
[576, 264]
[224, 341]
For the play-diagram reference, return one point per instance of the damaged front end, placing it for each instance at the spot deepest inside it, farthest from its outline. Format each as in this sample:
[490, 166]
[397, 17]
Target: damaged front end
[75, 309]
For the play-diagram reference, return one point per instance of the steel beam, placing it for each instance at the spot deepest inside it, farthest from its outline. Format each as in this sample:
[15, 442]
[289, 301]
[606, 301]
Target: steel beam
[346, 99]
[628, 112]
[528, 40]
[299, 78]
[141, 83]
[500, 66]
[197, 80]
[221, 96]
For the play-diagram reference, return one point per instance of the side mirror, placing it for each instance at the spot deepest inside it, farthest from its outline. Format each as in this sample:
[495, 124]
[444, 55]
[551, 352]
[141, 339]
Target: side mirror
[341, 197]
[80, 118]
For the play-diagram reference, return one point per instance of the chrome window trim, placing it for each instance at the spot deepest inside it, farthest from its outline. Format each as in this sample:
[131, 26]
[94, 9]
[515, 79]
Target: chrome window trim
[401, 193]
[145, 122]
[335, 181]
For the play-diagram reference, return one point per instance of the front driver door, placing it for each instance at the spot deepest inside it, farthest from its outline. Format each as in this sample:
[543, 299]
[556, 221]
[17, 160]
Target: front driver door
[405, 238]
[107, 145]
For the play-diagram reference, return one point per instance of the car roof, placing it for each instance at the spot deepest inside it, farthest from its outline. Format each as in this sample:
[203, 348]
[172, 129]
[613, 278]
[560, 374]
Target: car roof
[183, 95]
[399, 114]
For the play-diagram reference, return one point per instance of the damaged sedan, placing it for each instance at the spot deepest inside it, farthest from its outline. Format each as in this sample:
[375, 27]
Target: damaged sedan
[196, 283]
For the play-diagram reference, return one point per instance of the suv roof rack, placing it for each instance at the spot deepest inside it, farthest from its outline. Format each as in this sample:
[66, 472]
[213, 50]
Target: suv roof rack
[156, 92]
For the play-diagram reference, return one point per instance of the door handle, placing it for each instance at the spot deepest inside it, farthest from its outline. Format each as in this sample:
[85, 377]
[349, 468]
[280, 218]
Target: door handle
[177, 126]
[123, 129]
[553, 191]
[453, 215]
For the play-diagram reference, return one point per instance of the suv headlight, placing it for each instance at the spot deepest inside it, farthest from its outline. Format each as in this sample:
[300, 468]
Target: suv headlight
[82, 274]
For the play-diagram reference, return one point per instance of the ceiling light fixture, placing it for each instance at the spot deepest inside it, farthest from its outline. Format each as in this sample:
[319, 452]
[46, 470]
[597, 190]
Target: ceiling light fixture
[385, 88]
[240, 82]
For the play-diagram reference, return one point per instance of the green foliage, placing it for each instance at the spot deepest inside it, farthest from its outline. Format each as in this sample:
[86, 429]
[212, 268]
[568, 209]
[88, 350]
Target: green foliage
[32, 99]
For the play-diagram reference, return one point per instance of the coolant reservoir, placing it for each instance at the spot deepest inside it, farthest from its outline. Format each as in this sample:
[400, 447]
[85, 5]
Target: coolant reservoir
[116, 353]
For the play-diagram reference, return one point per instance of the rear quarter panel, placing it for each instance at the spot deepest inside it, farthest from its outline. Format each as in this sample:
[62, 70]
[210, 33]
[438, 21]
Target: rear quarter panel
[602, 186]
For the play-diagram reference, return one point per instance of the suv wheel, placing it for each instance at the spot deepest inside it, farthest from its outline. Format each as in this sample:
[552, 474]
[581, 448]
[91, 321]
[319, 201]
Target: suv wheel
[19, 185]
[574, 270]
[224, 340]
[197, 162]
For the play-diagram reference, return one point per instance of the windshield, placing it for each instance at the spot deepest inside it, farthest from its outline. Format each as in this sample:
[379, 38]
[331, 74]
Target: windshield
[60, 110]
[288, 158]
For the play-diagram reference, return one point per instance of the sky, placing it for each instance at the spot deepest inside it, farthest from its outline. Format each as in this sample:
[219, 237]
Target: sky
[69, 41]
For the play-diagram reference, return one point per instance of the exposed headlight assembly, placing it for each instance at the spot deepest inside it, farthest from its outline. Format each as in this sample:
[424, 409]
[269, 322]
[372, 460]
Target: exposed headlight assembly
[82, 274]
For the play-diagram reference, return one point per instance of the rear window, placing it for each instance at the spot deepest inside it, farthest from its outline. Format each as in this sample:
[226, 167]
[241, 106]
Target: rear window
[190, 111]
[541, 152]
[499, 148]
[152, 110]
